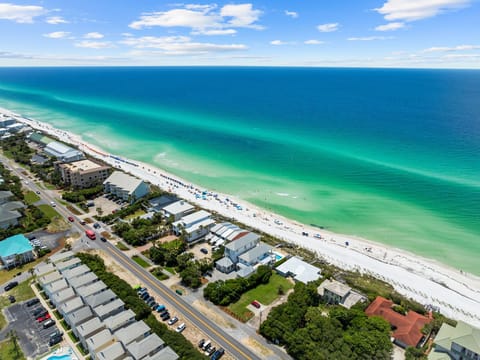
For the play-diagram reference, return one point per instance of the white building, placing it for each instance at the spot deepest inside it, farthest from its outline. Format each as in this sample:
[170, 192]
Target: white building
[125, 187]
[177, 210]
[194, 226]
[63, 152]
[299, 270]
[237, 247]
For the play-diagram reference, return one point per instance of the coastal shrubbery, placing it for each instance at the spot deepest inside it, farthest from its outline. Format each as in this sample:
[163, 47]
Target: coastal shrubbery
[139, 231]
[226, 292]
[311, 332]
[81, 195]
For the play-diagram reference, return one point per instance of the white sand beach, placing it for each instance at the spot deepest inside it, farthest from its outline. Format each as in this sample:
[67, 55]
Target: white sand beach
[454, 292]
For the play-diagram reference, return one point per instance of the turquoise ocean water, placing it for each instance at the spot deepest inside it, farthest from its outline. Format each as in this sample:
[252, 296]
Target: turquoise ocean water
[389, 155]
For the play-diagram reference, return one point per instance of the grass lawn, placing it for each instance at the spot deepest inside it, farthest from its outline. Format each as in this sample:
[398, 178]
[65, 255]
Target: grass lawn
[7, 275]
[171, 270]
[50, 186]
[136, 214]
[22, 292]
[49, 211]
[265, 294]
[122, 246]
[31, 197]
[7, 351]
[140, 261]
[73, 210]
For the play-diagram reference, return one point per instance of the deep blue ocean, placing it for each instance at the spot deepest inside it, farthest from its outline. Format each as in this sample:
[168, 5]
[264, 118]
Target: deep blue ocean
[391, 155]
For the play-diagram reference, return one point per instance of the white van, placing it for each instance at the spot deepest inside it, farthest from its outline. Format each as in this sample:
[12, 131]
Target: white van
[180, 328]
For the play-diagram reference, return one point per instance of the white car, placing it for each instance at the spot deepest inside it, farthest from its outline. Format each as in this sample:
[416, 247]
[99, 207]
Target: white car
[180, 328]
[53, 203]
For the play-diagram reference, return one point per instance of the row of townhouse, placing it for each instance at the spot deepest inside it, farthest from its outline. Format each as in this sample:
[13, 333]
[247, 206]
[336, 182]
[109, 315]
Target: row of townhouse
[97, 317]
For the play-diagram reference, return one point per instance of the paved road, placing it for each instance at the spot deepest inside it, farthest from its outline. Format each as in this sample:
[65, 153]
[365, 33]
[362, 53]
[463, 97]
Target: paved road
[215, 333]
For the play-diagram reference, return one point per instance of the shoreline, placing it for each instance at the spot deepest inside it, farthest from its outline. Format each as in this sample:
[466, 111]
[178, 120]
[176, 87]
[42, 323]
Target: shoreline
[427, 281]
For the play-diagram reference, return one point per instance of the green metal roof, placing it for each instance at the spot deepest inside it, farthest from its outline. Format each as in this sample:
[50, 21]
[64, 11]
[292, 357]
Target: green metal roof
[463, 335]
[17, 244]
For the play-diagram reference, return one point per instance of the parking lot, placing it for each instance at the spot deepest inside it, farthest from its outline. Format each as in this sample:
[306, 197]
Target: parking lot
[108, 206]
[43, 239]
[32, 337]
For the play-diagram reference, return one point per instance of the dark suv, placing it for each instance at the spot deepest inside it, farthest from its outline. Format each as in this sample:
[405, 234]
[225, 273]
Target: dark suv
[10, 285]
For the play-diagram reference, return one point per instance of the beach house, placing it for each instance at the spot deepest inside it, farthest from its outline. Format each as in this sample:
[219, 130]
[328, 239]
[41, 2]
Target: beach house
[237, 247]
[15, 250]
[407, 328]
[9, 213]
[177, 210]
[461, 342]
[78, 317]
[299, 270]
[334, 292]
[63, 152]
[125, 187]
[83, 173]
[193, 226]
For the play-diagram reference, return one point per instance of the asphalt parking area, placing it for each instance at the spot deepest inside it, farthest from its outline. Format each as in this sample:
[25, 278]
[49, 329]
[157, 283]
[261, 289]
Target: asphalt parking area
[32, 337]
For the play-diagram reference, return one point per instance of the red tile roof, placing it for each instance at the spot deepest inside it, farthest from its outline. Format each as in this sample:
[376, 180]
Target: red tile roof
[408, 327]
[242, 234]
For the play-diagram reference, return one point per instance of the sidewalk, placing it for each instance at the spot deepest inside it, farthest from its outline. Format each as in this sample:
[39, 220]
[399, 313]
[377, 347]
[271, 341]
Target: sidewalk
[67, 341]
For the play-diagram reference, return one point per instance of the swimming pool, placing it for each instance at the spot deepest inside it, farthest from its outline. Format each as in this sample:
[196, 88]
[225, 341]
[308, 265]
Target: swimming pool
[59, 357]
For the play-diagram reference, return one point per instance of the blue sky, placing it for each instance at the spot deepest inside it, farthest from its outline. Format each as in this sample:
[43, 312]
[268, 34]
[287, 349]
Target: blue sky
[370, 33]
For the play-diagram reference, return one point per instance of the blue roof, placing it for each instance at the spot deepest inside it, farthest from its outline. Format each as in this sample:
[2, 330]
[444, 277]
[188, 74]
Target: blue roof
[17, 244]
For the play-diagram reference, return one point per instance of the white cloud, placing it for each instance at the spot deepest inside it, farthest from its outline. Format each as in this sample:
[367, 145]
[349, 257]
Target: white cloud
[178, 45]
[412, 10]
[292, 14]
[94, 44]
[57, 35]
[215, 32]
[331, 27]
[278, 42]
[202, 18]
[313, 42]
[454, 48]
[93, 35]
[241, 15]
[390, 26]
[55, 20]
[20, 13]
[369, 38]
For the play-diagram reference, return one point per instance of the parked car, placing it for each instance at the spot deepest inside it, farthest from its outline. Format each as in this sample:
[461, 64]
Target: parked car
[43, 318]
[165, 316]
[203, 250]
[206, 345]
[54, 340]
[141, 291]
[10, 285]
[103, 239]
[12, 299]
[154, 305]
[256, 304]
[32, 302]
[210, 351]
[180, 327]
[160, 308]
[201, 342]
[218, 354]
[39, 311]
[56, 333]
[172, 320]
[82, 222]
[48, 323]
[145, 295]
